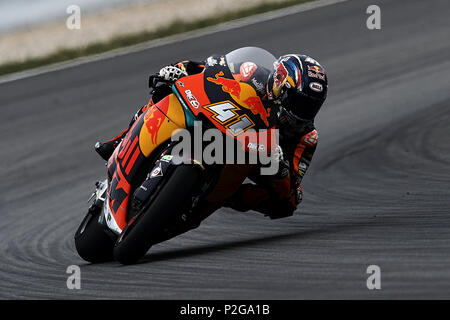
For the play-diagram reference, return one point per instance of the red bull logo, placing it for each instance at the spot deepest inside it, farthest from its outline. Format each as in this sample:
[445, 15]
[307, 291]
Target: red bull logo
[316, 69]
[255, 105]
[243, 94]
[153, 121]
[228, 85]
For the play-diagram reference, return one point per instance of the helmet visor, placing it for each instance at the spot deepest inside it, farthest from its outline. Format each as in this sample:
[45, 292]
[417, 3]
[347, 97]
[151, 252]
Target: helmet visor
[303, 106]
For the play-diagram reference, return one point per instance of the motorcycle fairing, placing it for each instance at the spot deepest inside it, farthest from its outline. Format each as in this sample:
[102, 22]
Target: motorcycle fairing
[150, 130]
[232, 106]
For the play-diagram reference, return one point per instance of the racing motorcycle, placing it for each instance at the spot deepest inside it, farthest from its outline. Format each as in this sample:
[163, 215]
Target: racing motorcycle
[148, 197]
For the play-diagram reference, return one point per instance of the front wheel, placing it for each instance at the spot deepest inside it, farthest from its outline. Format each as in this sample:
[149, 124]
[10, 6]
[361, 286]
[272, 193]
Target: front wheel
[92, 242]
[135, 240]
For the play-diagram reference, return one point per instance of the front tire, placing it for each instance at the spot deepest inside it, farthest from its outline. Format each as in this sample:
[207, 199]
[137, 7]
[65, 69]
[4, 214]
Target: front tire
[92, 242]
[136, 239]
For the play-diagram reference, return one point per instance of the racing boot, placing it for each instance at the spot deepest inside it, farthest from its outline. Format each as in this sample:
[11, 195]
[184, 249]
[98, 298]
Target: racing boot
[106, 149]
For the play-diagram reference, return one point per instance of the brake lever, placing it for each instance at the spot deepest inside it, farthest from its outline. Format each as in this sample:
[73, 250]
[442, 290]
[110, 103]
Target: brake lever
[153, 81]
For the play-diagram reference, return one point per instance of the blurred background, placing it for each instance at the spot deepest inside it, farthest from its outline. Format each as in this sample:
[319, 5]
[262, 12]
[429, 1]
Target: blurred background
[376, 192]
[28, 13]
[35, 29]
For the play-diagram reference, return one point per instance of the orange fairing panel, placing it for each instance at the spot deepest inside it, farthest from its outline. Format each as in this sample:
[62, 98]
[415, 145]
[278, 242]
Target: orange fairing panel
[152, 128]
[243, 94]
[193, 92]
[232, 113]
[160, 121]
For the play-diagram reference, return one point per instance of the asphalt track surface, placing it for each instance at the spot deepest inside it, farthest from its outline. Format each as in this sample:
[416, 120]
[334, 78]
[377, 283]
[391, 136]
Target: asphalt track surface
[376, 193]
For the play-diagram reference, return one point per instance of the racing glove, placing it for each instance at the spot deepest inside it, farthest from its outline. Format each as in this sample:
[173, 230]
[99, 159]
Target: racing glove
[172, 73]
[283, 164]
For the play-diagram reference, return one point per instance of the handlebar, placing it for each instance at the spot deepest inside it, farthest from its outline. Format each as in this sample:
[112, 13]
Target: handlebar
[153, 80]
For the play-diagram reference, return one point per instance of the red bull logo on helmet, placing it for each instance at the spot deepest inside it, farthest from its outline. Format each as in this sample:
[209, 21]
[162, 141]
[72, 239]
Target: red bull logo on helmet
[316, 69]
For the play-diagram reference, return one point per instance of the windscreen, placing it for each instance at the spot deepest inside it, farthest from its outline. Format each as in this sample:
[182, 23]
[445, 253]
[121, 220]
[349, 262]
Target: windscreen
[256, 55]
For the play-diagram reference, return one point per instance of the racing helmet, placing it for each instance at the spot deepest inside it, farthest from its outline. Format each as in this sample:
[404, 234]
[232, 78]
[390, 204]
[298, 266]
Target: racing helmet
[299, 84]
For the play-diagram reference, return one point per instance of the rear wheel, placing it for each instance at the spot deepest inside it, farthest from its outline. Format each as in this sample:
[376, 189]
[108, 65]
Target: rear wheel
[92, 242]
[138, 237]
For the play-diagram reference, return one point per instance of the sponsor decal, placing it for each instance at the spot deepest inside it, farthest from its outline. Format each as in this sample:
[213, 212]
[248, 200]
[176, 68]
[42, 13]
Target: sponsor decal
[310, 139]
[230, 86]
[247, 69]
[316, 75]
[153, 121]
[258, 85]
[157, 172]
[181, 84]
[233, 87]
[316, 69]
[222, 61]
[192, 99]
[317, 87]
[167, 158]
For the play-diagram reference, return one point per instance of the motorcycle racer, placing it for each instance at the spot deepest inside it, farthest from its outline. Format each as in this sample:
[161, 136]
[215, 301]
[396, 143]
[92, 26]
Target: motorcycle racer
[297, 85]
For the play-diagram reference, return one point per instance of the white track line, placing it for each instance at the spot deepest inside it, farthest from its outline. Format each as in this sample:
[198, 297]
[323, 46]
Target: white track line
[235, 24]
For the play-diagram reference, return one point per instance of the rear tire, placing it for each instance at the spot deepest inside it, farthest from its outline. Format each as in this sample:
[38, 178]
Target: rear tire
[92, 242]
[137, 239]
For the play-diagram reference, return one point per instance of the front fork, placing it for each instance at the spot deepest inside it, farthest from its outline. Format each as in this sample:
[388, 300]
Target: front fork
[142, 196]
[98, 208]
